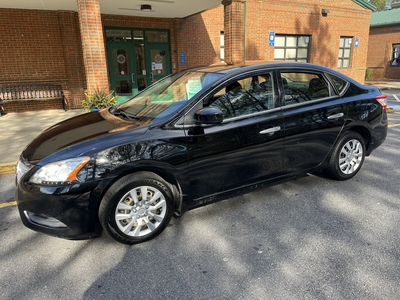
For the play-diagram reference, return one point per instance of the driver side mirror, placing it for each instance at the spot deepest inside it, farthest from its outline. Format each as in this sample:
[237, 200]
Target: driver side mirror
[209, 116]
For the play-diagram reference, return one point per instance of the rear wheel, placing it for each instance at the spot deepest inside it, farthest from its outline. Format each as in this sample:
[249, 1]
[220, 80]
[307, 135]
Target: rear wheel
[136, 208]
[347, 156]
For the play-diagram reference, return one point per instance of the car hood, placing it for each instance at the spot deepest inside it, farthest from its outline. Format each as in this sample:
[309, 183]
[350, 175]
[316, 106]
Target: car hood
[82, 135]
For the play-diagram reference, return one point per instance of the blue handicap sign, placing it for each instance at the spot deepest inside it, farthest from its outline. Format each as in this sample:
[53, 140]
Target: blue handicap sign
[182, 58]
[356, 43]
[272, 38]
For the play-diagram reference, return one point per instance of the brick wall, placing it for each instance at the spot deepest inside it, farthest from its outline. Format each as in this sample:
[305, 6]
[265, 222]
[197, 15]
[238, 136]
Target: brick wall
[45, 46]
[299, 17]
[42, 47]
[380, 52]
[198, 38]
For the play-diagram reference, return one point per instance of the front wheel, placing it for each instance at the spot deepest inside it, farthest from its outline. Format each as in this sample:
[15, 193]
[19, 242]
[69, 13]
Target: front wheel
[347, 156]
[136, 208]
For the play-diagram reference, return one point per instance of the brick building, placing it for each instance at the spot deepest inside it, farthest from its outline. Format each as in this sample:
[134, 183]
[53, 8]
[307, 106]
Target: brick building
[120, 46]
[384, 45]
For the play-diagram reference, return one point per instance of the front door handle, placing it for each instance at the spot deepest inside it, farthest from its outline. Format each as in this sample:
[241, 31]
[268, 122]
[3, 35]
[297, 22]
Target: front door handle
[271, 131]
[336, 116]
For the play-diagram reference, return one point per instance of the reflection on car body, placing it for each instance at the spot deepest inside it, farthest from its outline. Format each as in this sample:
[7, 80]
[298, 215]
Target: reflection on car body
[195, 137]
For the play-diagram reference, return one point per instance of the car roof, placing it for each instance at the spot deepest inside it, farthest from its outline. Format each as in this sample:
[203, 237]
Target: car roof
[232, 70]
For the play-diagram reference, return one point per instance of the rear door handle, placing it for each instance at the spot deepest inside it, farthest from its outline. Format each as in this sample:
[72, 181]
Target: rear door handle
[336, 116]
[271, 130]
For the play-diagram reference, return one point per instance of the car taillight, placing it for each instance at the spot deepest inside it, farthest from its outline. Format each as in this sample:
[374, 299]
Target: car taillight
[382, 99]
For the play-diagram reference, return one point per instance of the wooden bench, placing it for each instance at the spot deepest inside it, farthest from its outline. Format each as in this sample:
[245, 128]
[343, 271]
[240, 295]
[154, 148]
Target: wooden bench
[16, 93]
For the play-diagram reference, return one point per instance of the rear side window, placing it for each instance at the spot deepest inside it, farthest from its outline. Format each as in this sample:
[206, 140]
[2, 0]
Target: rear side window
[339, 83]
[302, 87]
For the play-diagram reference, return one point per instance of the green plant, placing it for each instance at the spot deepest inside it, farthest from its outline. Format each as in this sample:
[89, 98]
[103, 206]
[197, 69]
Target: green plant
[98, 99]
[368, 74]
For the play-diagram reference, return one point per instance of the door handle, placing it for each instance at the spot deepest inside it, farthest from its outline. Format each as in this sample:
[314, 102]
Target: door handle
[133, 80]
[151, 77]
[271, 131]
[336, 116]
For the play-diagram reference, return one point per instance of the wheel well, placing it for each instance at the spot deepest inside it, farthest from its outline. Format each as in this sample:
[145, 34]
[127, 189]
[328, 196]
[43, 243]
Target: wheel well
[364, 132]
[174, 184]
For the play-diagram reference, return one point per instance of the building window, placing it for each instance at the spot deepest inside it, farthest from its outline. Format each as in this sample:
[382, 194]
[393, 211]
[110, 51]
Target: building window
[345, 52]
[222, 46]
[292, 47]
[396, 55]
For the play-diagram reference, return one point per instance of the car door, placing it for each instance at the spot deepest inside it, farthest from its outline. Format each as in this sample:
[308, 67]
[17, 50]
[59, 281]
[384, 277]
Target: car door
[246, 147]
[314, 114]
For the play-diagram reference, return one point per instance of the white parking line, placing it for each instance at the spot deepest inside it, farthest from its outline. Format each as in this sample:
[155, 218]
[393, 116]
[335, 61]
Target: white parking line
[397, 98]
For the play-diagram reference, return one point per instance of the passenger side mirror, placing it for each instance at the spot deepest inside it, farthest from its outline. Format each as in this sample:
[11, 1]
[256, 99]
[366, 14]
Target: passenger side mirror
[209, 116]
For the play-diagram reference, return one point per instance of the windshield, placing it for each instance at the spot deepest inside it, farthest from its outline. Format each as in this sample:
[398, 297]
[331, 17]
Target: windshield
[167, 96]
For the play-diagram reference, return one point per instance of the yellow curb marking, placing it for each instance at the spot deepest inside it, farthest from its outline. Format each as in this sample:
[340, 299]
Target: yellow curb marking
[393, 125]
[8, 204]
[7, 168]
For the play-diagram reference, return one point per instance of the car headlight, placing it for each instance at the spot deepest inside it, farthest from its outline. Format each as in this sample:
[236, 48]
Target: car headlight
[59, 172]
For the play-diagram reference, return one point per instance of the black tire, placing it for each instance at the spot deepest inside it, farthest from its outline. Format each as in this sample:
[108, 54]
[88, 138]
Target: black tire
[128, 217]
[347, 156]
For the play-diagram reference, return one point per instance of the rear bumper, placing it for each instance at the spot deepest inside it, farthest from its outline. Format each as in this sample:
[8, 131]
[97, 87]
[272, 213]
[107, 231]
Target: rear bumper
[379, 132]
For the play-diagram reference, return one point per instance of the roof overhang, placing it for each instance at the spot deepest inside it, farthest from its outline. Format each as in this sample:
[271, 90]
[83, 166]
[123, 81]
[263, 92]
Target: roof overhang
[159, 8]
[365, 4]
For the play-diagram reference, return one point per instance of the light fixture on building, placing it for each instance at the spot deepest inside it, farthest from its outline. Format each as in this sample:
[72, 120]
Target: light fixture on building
[325, 12]
[145, 7]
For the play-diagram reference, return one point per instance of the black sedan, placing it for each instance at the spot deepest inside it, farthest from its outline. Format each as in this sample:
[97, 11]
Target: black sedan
[193, 138]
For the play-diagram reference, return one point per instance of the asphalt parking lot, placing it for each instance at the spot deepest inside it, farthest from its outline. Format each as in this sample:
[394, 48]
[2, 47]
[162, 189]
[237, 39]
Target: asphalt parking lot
[306, 238]
[309, 238]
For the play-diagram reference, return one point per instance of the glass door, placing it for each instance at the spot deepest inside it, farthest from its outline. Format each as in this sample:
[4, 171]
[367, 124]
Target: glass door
[159, 63]
[122, 70]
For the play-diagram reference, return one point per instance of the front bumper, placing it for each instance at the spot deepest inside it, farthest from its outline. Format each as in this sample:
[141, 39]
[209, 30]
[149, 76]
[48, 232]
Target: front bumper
[64, 211]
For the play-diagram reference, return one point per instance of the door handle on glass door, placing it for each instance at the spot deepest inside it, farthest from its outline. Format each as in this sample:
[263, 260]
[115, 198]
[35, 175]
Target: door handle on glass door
[133, 80]
[271, 131]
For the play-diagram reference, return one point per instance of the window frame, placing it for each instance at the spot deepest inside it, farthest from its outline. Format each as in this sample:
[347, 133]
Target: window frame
[285, 47]
[343, 57]
[395, 55]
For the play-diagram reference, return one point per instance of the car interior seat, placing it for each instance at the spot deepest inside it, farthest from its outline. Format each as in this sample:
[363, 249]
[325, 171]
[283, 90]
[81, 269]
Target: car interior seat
[317, 88]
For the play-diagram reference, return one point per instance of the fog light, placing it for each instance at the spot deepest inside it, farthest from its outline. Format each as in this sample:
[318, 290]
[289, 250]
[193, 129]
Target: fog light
[44, 220]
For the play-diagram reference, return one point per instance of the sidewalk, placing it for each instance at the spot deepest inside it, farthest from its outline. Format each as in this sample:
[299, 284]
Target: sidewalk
[19, 129]
[385, 85]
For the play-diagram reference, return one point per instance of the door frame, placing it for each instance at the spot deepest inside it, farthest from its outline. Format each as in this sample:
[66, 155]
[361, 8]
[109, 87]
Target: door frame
[148, 46]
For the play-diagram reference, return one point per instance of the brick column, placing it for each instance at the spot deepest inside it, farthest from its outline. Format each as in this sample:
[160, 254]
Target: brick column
[234, 31]
[94, 55]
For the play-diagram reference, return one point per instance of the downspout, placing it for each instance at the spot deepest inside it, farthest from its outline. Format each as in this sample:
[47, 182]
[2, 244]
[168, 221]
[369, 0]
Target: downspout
[244, 31]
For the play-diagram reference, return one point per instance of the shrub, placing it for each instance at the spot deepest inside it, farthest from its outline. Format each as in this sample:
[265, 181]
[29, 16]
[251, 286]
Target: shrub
[98, 99]
[368, 74]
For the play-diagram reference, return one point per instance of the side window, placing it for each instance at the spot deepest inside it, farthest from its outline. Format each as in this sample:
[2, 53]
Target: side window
[339, 83]
[300, 87]
[245, 96]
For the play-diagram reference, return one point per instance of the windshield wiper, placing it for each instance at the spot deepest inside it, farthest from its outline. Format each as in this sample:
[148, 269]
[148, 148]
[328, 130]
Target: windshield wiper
[124, 115]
